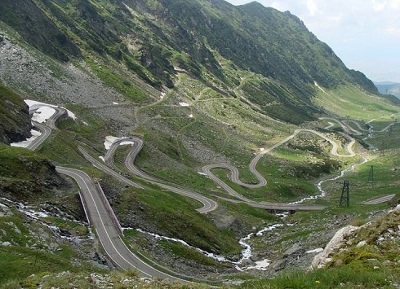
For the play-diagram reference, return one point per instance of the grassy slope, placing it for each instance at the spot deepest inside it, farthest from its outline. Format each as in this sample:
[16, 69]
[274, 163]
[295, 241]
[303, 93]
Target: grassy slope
[208, 109]
[25, 175]
[14, 116]
[373, 265]
[173, 216]
[352, 102]
[230, 127]
[29, 247]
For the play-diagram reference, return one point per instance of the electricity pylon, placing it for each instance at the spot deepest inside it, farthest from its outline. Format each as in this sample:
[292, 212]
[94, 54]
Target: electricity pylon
[345, 197]
[371, 175]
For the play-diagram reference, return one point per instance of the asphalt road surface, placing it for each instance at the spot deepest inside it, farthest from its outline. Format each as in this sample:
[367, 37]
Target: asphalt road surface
[234, 174]
[98, 215]
[379, 200]
[45, 133]
[107, 232]
[108, 170]
[208, 205]
[45, 129]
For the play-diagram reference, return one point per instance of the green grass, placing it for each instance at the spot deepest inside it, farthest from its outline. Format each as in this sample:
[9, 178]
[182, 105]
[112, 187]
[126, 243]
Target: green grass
[62, 145]
[114, 79]
[237, 143]
[386, 140]
[29, 253]
[76, 228]
[86, 280]
[14, 162]
[248, 213]
[351, 276]
[224, 140]
[11, 112]
[285, 181]
[386, 175]
[349, 101]
[182, 251]
[228, 128]
[292, 155]
[371, 266]
[89, 126]
[232, 130]
[175, 216]
[17, 263]
[26, 175]
[168, 211]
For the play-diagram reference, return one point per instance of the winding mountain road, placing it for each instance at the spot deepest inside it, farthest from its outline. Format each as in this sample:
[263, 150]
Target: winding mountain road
[108, 234]
[347, 128]
[51, 122]
[380, 200]
[108, 170]
[45, 133]
[234, 176]
[209, 204]
[97, 213]
[46, 128]
[137, 144]
[98, 210]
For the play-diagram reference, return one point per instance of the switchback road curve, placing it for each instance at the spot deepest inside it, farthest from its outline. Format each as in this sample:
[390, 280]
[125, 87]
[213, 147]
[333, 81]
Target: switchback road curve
[98, 215]
[209, 205]
[348, 129]
[102, 219]
[45, 133]
[234, 172]
[107, 170]
[45, 128]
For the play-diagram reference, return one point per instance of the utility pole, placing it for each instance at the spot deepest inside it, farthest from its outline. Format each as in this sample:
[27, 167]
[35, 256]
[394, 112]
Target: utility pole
[345, 197]
[371, 175]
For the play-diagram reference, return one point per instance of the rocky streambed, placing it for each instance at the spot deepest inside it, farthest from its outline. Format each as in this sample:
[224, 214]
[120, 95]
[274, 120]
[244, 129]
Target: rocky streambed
[48, 228]
[253, 259]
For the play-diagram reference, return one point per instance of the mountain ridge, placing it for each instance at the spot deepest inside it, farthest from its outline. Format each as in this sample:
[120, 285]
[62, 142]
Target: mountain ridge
[388, 87]
[245, 39]
[199, 83]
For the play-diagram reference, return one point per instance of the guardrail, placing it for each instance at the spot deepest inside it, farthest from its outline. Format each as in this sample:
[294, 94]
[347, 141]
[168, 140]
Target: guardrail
[108, 207]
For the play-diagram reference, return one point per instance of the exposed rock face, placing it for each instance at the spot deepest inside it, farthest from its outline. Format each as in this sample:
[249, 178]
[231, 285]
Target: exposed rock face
[379, 233]
[14, 117]
[340, 237]
[26, 176]
[38, 29]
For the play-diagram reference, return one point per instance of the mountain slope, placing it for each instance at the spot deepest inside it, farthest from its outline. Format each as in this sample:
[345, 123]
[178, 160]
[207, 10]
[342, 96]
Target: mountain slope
[201, 83]
[14, 117]
[392, 88]
[38, 29]
[152, 39]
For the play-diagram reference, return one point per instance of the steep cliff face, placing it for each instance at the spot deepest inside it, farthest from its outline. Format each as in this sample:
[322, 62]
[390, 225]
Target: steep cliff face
[14, 117]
